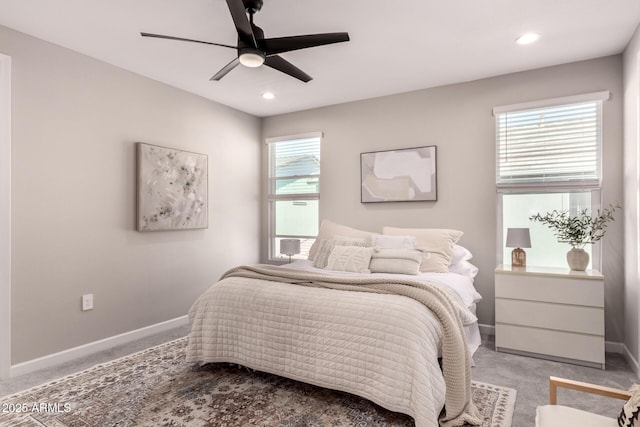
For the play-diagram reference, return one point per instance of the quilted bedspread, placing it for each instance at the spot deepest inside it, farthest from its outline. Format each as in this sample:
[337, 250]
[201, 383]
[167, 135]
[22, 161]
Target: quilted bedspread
[376, 344]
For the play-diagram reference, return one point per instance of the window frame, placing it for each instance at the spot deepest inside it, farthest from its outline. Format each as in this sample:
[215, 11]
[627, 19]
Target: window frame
[550, 187]
[272, 198]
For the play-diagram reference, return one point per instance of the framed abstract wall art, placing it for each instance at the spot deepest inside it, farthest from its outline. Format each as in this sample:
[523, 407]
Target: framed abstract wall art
[172, 189]
[404, 175]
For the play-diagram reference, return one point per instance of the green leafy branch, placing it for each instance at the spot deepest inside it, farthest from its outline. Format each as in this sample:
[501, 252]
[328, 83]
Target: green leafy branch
[577, 230]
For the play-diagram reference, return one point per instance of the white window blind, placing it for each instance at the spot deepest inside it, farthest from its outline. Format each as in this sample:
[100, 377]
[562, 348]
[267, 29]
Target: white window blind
[291, 162]
[550, 145]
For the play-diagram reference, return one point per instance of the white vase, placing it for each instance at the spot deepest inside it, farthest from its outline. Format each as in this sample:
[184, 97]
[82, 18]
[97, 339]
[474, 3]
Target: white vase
[578, 259]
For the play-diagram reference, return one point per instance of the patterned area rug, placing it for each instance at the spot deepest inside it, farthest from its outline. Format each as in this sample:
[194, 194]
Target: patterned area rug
[157, 387]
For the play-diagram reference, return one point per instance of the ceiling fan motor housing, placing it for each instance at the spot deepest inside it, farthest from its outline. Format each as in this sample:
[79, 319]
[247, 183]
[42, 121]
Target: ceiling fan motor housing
[245, 48]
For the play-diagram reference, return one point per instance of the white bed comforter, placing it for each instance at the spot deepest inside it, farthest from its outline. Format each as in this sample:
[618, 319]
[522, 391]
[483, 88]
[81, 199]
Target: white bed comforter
[460, 284]
[379, 346]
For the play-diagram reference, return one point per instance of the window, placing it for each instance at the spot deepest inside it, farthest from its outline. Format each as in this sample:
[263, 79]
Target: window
[548, 156]
[545, 249]
[294, 191]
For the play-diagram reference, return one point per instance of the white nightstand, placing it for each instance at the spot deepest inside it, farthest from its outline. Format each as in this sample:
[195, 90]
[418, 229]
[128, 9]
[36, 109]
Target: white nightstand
[552, 313]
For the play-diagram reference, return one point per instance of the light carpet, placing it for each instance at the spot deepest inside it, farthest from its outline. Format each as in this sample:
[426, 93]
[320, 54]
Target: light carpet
[157, 387]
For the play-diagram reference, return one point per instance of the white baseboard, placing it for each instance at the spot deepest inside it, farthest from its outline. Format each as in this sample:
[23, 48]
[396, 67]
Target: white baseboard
[614, 347]
[487, 329]
[633, 363]
[94, 347]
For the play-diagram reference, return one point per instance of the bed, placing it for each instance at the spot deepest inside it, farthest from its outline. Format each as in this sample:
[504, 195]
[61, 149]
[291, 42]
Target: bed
[403, 342]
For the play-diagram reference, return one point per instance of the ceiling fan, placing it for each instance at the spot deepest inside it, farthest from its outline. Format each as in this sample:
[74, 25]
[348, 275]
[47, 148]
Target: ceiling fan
[254, 50]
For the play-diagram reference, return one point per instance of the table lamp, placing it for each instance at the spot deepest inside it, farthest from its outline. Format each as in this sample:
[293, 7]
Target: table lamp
[518, 238]
[290, 247]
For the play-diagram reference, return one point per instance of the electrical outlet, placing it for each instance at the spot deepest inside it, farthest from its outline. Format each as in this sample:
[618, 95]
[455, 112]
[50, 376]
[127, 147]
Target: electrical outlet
[87, 302]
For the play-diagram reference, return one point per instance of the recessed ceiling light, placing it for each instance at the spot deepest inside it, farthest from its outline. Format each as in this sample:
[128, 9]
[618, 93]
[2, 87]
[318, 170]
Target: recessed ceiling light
[268, 95]
[528, 38]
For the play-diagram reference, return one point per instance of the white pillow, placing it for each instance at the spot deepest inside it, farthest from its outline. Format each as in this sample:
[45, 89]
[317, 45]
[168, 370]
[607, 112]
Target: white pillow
[460, 254]
[397, 261]
[394, 242]
[438, 242]
[325, 246]
[350, 258]
[328, 229]
[464, 268]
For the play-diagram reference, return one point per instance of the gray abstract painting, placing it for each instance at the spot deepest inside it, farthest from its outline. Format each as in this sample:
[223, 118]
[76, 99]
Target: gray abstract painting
[403, 175]
[172, 189]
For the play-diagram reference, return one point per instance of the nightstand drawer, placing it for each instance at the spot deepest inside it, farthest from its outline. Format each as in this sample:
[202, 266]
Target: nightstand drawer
[570, 318]
[555, 343]
[531, 287]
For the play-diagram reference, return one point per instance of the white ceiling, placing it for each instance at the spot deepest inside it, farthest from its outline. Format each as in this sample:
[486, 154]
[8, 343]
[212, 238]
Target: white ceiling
[396, 46]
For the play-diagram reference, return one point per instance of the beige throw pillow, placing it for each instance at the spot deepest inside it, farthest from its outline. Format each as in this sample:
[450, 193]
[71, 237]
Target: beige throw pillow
[328, 229]
[397, 261]
[325, 246]
[438, 242]
[350, 258]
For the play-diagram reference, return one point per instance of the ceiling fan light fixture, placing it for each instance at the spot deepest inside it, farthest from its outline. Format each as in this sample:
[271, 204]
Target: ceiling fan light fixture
[251, 58]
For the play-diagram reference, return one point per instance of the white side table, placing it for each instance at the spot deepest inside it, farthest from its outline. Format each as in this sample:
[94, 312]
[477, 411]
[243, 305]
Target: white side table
[552, 313]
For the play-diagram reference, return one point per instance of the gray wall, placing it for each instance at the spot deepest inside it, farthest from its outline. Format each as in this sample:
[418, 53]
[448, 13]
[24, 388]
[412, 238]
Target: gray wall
[631, 192]
[458, 119]
[75, 122]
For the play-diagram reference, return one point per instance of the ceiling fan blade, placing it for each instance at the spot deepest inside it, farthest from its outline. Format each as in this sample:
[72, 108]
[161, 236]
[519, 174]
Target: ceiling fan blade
[286, 44]
[278, 63]
[223, 72]
[160, 36]
[240, 20]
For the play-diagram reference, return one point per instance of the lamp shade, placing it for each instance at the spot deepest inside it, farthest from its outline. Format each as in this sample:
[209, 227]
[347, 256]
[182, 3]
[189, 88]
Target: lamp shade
[290, 246]
[518, 238]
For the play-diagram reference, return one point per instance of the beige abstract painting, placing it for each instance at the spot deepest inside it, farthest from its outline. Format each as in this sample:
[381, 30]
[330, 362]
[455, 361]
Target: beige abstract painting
[402, 175]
